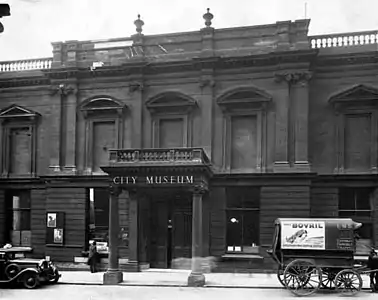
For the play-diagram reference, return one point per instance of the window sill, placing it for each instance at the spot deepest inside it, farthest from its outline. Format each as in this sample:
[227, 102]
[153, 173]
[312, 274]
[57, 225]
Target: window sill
[242, 256]
[63, 245]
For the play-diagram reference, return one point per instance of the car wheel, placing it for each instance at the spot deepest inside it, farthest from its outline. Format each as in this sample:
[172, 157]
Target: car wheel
[30, 280]
[12, 270]
[55, 279]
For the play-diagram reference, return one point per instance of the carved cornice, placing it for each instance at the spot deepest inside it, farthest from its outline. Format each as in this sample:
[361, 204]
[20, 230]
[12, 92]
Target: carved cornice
[293, 78]
[24, 82]
[348, 59]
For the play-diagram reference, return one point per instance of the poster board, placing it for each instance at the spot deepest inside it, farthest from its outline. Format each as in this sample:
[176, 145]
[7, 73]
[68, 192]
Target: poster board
[303, 235]
[55, 227]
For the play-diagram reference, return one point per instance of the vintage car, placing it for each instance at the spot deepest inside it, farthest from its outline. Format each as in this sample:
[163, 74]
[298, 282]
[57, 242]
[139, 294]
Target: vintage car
[29, 272]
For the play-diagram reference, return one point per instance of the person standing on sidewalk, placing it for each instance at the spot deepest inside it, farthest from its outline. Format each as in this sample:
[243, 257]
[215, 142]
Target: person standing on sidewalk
[93, 257]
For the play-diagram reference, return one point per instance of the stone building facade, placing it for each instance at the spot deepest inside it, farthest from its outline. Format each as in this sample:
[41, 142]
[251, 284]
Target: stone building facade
[220, 131]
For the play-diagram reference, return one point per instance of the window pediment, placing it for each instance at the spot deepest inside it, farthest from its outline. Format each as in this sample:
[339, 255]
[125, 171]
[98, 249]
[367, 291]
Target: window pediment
[245, 97]
[171, 102]
[356, 96]
[102, 105]
[18, 113]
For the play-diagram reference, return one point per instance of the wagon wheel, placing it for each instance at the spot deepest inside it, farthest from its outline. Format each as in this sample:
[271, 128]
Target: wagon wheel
[348, 282]
[302, 278]
[280, 276]
[328, 278]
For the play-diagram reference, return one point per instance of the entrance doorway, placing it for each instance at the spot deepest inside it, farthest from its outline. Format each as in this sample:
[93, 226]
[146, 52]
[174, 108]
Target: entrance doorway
[171, 229]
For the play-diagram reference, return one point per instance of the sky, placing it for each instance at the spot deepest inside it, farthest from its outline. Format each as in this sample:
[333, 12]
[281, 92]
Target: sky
[34, 24]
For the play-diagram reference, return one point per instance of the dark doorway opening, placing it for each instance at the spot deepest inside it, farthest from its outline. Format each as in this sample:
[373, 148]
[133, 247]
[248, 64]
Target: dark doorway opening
[171, 223]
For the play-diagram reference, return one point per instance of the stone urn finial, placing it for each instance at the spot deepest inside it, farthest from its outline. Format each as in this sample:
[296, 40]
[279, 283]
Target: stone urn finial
[139, 23]
[208, 17]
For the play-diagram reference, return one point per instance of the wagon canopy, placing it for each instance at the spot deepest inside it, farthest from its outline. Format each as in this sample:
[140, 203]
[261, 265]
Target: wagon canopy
[318, 234]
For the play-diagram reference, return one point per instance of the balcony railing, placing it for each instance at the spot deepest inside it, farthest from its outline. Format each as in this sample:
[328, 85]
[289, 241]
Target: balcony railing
[158, 156]
[25, 65]
[344, 39]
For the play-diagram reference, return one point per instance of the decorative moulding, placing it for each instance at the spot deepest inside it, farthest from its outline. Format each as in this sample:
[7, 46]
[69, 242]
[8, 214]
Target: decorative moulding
[102, 104]
[357, 96]
[171, 101]
[18, 112]
[244, 98]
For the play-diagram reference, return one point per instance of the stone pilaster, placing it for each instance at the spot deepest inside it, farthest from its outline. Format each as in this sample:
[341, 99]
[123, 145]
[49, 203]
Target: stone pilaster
[300, 94]
[70, 130]
[62, 127]
[296, 110]
[281, 160]
[207, 85]
[55, 120]
[136, 92]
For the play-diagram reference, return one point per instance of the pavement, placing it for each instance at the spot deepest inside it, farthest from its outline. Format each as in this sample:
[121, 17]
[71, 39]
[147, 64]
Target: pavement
[101, 292]
[178, 278]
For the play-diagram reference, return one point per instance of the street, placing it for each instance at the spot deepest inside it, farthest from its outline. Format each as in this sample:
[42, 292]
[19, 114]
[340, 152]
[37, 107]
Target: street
[96, 292]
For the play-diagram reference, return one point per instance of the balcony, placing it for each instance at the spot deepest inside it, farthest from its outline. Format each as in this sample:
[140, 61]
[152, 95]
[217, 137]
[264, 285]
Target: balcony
[346, 42]
[25, 65]
[158, 157]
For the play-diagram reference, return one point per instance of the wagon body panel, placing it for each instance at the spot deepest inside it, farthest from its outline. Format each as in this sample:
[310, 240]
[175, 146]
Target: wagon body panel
[327, 242]
[317, 234]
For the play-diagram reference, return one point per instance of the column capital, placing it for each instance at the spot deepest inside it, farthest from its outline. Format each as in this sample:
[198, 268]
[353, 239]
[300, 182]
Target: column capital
[63, 89]
[115, 190]
[295, 77]
[199, 188]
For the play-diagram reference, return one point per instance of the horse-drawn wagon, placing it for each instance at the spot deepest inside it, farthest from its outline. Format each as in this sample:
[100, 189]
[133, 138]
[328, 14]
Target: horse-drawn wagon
[319, 253]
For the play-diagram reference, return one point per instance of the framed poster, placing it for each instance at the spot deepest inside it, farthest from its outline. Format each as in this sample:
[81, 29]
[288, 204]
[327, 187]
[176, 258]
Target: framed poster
[55, 225]
[58, 235]
[51, 220]
[303, 235]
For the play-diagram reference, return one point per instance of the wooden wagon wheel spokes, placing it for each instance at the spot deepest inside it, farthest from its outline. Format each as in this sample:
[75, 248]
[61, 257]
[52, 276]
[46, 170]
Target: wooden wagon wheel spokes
[328, 278]
[302, 278]
[348, 282]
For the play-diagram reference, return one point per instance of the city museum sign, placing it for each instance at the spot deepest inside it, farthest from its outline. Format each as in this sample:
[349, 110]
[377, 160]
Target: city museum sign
[152, 180]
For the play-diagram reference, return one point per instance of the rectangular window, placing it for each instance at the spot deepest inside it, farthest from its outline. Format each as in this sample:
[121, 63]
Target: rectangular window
[104, 137]
[358, 142]
[99, 217]
[243, 214]
[243, 142]
[19, 208]
[171, 133]
[19, 150]
[357, 204]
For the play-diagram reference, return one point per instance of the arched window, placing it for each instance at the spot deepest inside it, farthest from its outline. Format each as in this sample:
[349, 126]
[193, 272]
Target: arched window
[244, 138]
[103, 117]
[171, 119]
[356, 129]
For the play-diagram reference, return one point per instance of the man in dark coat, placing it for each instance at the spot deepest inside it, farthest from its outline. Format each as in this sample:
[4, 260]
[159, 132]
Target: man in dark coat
[93, 257]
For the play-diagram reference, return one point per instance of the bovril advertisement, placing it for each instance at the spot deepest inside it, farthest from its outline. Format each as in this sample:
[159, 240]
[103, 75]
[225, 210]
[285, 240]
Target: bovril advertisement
[303, 235]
